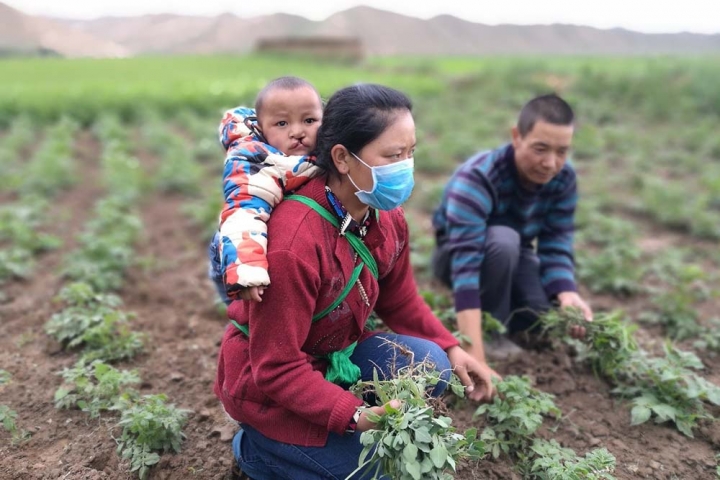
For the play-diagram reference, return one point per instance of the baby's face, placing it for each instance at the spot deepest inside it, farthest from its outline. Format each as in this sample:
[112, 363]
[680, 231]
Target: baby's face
[289, 120]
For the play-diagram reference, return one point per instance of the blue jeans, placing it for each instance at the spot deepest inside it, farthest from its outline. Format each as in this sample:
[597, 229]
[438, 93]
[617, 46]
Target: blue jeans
[215, 269]
[264, 459]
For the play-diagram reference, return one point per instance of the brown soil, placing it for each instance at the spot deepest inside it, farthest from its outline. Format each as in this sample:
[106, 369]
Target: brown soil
[174, 304]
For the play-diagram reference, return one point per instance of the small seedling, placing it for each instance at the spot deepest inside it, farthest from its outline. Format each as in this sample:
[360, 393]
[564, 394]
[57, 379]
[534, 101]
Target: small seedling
[684, 286]
[553, 462]
[149, 425]
[95, 387]
[93, 321]
[668, 389]
[7, 420]
[514, 415]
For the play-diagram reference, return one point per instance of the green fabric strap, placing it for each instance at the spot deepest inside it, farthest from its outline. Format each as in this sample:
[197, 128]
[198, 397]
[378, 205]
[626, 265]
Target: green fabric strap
[354, 240]
[353, 278]
[242, 328]
[340, 369]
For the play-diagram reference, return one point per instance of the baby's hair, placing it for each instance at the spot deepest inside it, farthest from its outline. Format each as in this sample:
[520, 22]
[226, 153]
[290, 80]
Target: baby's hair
[282, 83]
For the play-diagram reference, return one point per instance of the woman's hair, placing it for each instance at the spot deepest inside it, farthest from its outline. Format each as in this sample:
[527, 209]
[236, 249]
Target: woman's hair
[355, 116]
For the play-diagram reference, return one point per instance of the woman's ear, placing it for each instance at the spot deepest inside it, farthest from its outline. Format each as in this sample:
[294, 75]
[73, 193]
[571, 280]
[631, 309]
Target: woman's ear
[340, 157]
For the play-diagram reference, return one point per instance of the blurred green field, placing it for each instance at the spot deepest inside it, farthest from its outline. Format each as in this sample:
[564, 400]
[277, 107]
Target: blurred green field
[647, 127]
[646, 133]
[48, 88]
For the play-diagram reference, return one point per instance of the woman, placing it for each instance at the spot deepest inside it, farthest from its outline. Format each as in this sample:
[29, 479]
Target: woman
[286, 363]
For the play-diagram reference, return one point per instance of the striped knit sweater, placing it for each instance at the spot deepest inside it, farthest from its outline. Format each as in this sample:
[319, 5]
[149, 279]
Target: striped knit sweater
[485, 191]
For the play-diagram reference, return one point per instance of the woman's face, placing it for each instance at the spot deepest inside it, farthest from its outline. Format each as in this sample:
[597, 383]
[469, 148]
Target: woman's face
[396, 143]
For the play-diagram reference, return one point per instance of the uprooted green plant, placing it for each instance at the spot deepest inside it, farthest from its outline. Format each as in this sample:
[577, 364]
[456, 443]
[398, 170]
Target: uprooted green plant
[666, 388]
[413, 441]
[95, 387]
[608, 343]
[149, 425]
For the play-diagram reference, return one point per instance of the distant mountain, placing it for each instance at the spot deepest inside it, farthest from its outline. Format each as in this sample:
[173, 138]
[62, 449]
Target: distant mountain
[22, 34]
[186, 34]
[382, 33]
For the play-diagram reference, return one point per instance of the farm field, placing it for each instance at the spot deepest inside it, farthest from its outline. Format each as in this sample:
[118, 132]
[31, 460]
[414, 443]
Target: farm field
[109, 195]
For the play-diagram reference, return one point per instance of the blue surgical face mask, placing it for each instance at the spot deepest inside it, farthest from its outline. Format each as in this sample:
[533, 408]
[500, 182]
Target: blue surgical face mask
[392, 184]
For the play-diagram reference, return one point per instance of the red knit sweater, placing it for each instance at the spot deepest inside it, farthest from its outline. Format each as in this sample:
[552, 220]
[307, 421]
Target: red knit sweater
[273, 381]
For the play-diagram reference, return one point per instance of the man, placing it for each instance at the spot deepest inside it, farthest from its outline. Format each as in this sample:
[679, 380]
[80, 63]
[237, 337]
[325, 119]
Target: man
[504, 228]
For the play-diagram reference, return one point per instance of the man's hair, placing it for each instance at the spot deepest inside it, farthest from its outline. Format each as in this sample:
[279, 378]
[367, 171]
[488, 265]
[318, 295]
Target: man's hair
[282, 83]
[548, 108]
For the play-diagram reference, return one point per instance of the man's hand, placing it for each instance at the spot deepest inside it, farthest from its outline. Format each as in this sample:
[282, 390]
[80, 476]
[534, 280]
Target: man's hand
[573, 300]
[476, 376]
[252, 293]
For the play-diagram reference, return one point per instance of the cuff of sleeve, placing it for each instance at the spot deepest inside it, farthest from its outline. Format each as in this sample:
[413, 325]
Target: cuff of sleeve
[467, 299]
[343, 412]
[559, 286]
[234, 310]
[447, 341]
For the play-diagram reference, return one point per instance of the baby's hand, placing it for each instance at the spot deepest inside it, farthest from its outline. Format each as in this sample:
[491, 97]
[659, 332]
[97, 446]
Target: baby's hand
[252, 293]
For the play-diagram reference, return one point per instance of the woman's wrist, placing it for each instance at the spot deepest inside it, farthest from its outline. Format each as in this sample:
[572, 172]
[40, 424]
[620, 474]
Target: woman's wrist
[352, 425]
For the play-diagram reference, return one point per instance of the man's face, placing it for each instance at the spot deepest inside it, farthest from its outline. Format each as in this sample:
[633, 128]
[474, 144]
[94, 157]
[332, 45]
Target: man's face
[542, 152]
[290, 119]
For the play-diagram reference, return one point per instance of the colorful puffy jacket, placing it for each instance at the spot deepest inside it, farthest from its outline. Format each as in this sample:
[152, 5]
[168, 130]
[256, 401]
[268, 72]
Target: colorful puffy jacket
[255, 179]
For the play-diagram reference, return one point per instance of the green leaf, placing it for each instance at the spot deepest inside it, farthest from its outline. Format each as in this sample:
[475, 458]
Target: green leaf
[640, 414]
[458, 389]
[426, 465]
[438, 455]
[61, 393]
[413, 469]
[665, 412]
[410, 453]
[422, 435]
[685, 427]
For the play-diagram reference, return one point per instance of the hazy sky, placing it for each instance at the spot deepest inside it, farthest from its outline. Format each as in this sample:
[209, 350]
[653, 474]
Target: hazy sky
[701, 16]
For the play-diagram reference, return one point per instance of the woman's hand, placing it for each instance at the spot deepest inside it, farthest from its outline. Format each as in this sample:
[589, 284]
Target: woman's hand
[364, 424]
[476, 376]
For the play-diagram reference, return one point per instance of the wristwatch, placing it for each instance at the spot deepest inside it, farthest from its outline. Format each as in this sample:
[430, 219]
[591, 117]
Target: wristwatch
[352, 426]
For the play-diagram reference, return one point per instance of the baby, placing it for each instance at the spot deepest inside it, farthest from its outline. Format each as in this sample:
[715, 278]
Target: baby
[267, 156]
